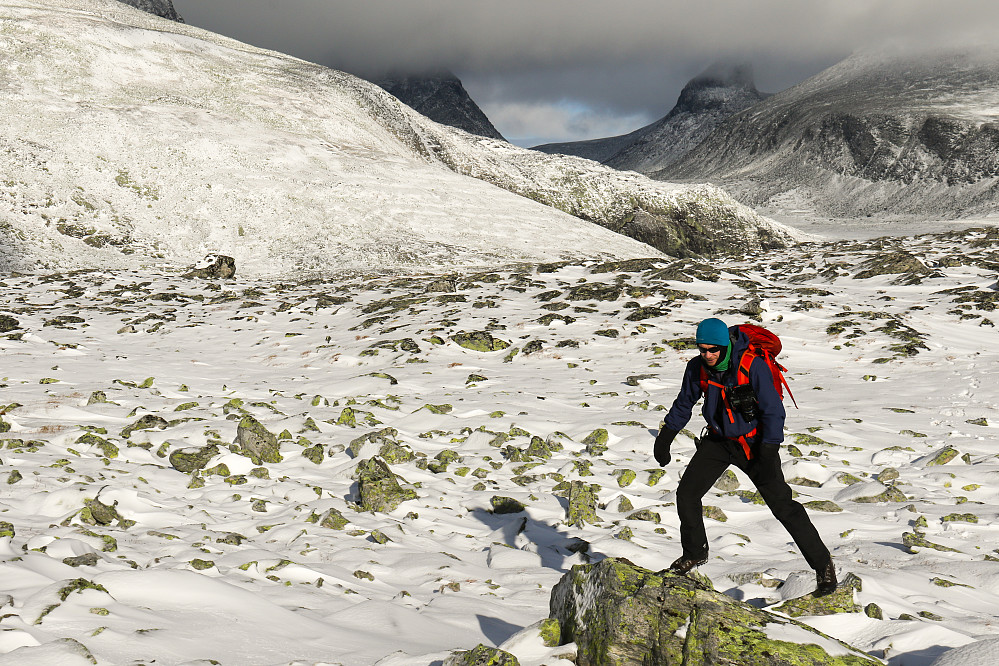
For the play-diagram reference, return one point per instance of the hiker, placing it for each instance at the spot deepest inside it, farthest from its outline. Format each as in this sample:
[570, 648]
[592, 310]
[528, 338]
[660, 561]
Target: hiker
[745, 426]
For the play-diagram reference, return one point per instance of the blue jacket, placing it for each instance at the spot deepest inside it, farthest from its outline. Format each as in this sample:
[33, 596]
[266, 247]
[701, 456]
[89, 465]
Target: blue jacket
[771, 409]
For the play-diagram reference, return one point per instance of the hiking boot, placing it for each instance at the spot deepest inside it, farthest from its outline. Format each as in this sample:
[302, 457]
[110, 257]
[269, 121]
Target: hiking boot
[825, 580]
[683, 564]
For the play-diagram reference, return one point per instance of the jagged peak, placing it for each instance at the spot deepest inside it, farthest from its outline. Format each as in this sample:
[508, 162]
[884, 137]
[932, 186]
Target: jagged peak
[726, 74]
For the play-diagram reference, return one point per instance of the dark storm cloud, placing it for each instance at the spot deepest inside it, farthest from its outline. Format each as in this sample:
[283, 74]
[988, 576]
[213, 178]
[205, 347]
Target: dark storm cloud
[624, 60]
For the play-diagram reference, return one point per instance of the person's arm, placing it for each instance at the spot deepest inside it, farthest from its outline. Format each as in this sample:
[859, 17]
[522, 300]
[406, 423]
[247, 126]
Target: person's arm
[690, 392]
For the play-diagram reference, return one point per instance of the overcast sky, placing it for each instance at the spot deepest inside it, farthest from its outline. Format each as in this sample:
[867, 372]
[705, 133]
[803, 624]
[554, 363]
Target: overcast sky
[566, 70]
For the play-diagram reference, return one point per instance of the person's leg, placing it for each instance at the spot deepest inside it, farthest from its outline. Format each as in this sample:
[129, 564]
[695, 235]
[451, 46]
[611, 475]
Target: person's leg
[710, 460]
[769, 481]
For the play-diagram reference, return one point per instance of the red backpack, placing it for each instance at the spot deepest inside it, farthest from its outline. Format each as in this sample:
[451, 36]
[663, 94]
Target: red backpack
[763, 344]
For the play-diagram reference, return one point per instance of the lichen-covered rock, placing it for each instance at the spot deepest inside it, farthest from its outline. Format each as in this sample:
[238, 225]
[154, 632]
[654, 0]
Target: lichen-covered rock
[943, 456]
[333, 520]
[727, 482]
[482, 341]
[257, 442]
[383, 436]
[482, 655]
[596, 442]
[840, 601]
[147, 422]
[379, 487]
[95, 512]
[8, 324]
[191, 459]
[619, 613]
[582, 504]
[502, 504]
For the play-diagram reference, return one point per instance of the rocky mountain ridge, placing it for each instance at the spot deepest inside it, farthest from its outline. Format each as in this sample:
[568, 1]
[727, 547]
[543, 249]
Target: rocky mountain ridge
[705, 101]
[442, 98]
[161, 8]
[882, 133]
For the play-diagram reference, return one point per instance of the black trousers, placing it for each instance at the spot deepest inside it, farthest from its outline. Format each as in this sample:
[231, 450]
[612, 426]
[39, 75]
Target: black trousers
[712, 458]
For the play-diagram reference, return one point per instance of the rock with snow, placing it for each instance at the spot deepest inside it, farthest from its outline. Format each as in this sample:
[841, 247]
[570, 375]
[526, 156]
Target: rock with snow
[620, 613]
[213, 266]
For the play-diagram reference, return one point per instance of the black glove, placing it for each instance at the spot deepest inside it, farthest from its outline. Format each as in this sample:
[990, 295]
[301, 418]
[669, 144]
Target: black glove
[661, 449]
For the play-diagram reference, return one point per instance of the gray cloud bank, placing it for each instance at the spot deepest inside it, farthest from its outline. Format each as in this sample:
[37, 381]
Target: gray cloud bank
[566, 68]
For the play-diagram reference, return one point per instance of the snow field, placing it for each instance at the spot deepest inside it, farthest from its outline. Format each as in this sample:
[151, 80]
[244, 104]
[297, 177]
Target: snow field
[234, 563]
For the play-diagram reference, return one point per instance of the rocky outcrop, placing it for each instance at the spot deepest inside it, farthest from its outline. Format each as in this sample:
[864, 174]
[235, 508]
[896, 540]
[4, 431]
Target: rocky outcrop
[162, 8]
[442, 98]
[619, 613]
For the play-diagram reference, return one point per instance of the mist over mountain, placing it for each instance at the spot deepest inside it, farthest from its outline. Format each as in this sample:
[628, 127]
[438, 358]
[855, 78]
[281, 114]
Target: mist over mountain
[880, 133]
[707, 100]
[441, 97]
[161, 8]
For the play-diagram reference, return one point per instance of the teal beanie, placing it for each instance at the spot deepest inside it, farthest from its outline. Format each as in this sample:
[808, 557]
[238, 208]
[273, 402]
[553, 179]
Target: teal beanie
[712, 332]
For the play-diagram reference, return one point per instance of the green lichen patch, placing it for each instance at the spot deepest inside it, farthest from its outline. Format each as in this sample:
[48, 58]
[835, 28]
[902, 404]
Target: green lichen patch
[823, 505]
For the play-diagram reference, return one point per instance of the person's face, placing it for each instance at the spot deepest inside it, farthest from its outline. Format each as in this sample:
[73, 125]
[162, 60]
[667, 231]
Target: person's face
[712, 354]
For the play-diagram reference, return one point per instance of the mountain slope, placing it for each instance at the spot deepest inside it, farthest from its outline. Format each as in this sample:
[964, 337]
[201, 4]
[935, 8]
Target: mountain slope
[129, 139]
[443, 99]
[703, 104]
[879, 133]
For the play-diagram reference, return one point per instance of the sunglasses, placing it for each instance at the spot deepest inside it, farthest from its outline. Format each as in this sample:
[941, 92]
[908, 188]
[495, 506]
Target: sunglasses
[709, 350]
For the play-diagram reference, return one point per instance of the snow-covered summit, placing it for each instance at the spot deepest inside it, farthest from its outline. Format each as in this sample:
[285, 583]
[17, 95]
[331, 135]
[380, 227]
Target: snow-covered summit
[129, 139]
[705, 101]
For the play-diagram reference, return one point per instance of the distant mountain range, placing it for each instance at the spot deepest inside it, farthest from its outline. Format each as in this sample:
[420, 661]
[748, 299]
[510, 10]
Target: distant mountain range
[441, 97]
[161, 8]
[880, 133]
[706, 101]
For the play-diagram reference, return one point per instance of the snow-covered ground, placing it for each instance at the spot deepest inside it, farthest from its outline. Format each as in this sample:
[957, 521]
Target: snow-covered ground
[241, 562]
